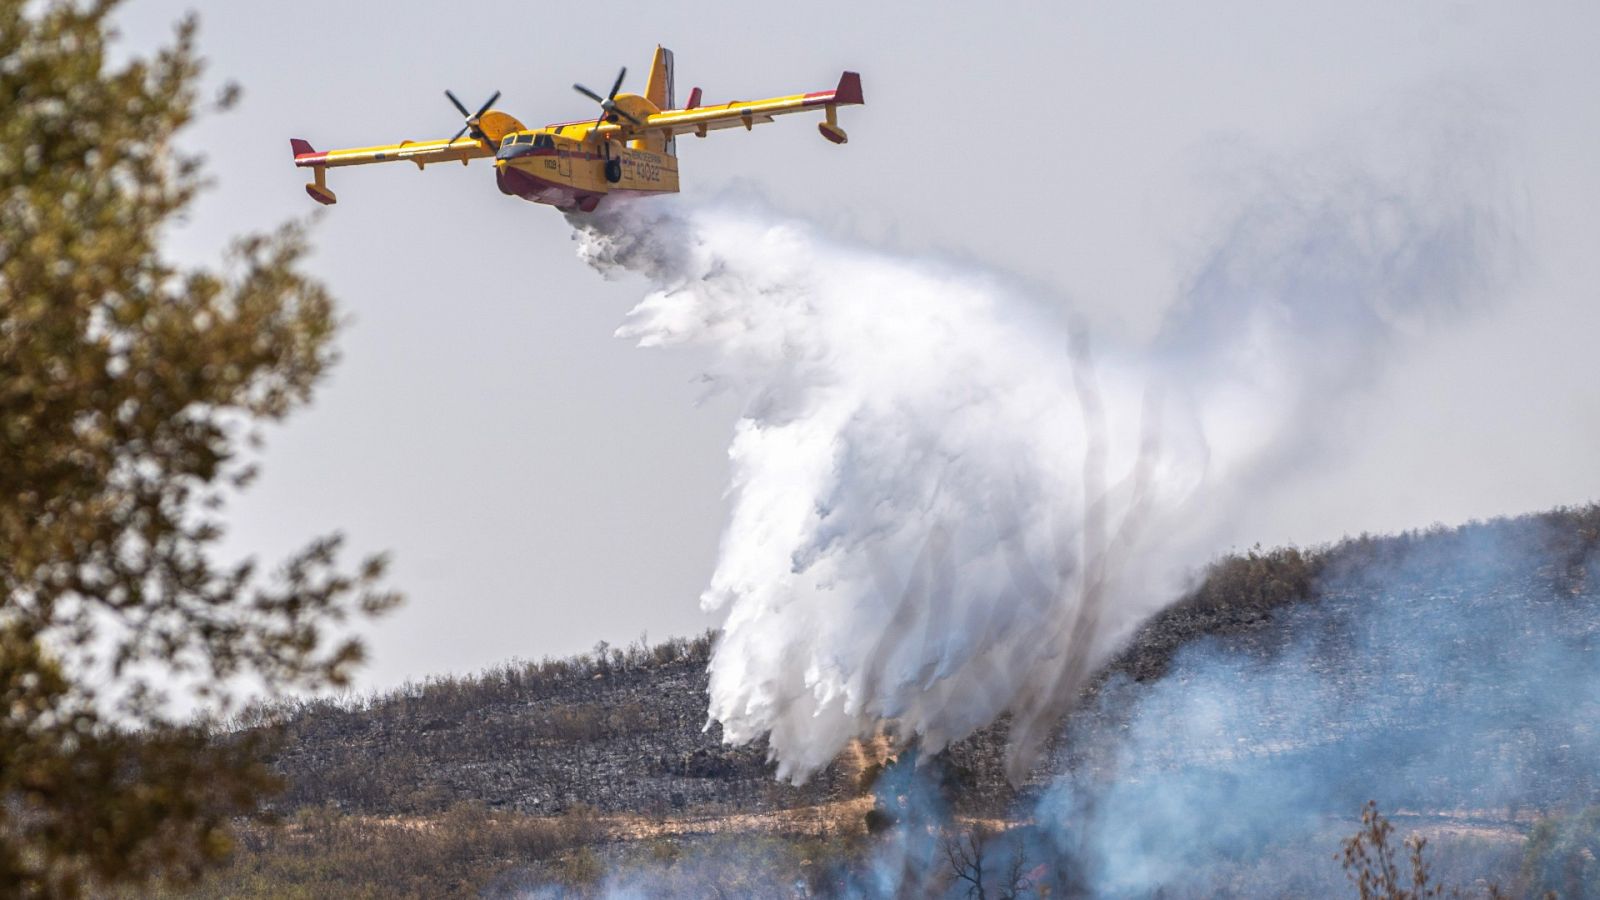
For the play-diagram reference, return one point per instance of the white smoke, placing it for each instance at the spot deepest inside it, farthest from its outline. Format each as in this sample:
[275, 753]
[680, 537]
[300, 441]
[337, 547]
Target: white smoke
[947, 504]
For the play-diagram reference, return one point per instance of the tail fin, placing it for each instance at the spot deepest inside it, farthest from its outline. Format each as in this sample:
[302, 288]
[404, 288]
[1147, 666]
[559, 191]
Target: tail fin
[660, 91]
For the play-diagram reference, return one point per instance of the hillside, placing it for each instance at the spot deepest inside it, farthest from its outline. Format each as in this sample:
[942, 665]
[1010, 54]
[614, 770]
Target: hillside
[1349, 667]
[618, 731]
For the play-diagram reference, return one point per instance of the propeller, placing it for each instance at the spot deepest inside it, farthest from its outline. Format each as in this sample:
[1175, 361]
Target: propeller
[608, 104]
[472, 118]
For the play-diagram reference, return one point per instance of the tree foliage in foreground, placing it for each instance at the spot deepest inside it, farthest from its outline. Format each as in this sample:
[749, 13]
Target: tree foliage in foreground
[130, 389]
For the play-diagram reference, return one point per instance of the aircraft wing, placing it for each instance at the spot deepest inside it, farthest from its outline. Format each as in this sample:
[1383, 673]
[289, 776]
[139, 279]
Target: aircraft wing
[746, 113]
[422, 153]
[490, 124]
[487, 126]
[419, 152]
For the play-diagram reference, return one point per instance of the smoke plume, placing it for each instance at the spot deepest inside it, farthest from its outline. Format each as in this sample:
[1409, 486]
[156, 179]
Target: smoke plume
[1451, 675]
[949, 503]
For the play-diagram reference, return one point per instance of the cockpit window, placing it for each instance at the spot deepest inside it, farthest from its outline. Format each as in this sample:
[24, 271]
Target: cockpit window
[543, 141]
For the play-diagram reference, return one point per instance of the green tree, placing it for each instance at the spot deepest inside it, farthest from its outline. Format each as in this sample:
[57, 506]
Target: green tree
[1562, 855]
[131, 392]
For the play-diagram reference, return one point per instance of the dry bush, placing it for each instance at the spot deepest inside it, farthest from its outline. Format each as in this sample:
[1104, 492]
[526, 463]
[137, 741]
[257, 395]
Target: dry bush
[737, 865]
[979, 865]
[1258, 580]
[575, 724]
[1372, 863]
[323, 852]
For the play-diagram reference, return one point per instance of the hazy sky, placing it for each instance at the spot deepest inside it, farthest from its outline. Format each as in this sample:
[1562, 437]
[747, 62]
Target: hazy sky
[542, 485]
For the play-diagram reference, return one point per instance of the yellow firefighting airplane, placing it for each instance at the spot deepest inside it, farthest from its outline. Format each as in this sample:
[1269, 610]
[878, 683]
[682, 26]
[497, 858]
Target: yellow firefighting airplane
[630, 149]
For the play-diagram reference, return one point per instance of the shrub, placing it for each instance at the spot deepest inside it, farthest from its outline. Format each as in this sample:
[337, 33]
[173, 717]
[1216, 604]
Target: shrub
[323, 852]
[1373, 865]
[1562, 855]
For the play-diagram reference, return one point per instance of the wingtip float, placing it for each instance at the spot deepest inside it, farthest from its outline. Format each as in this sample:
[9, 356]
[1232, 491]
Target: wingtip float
[630, 148]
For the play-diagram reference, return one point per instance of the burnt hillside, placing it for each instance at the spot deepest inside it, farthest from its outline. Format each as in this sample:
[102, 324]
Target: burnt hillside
[1451, 674]
[617, 731]
[621, 730]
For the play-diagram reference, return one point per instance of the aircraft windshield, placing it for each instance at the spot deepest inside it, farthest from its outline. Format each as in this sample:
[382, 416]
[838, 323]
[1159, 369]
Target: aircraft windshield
[515, 145]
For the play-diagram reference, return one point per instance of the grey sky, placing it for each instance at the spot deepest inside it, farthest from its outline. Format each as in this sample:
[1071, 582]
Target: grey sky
[543, 485]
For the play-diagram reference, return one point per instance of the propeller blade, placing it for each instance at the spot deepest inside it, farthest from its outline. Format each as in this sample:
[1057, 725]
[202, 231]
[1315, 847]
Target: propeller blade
[629, 116]
[460, 133]
[486, 104]
[464, 113]
[608, 104]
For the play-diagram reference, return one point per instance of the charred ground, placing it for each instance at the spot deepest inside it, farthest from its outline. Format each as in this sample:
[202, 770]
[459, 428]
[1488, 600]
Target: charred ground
[566, 769]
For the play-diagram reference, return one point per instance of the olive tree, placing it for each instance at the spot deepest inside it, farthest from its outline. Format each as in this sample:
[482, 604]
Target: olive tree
[132, 392]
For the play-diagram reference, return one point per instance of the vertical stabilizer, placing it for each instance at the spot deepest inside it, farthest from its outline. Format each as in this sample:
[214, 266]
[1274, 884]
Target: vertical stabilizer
[659, 90]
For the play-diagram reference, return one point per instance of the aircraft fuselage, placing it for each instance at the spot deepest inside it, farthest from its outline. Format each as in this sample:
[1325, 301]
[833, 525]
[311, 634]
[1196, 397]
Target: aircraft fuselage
[546, 167]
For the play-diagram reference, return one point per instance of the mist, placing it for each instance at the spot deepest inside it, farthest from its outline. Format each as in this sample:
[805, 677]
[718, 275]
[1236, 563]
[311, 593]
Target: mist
[951, 500]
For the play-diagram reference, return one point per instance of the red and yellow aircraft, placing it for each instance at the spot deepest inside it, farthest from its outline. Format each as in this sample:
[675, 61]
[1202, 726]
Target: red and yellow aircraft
[629, 149]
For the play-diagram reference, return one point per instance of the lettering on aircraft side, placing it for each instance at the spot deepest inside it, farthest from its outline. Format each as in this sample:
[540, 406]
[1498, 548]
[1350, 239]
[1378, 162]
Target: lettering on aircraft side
[646, 171]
